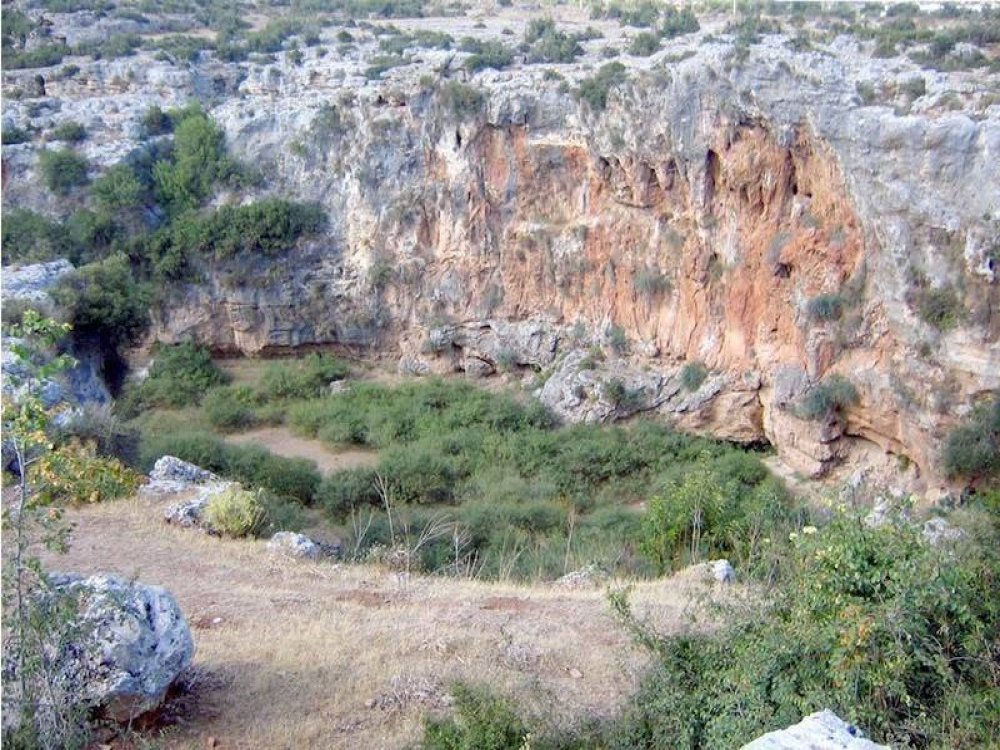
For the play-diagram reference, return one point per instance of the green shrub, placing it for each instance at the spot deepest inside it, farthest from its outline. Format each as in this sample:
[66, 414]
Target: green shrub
[340, 493]
[644, 44]
[827, 398]
[486, 54]
[181, 374]
[105, 301]
[940, 308]
[972, 450]
[826, 307]
[198, 161]
[308, 377]
[481, 720]
[156, 122]
[266, 227]
[118, 189]
[461, 99]
[693, 374]
[891, 633]
[617, 339]
[651, 282]
[70, 132]
[595, 90]
[720, 507]
[235, 512]
[62, 170]
[38, 57]
[678, 22]
[230, 407]
[32, 238]
[13, 135]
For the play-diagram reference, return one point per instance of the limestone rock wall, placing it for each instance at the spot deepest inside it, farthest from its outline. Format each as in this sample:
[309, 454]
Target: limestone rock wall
[692, 221]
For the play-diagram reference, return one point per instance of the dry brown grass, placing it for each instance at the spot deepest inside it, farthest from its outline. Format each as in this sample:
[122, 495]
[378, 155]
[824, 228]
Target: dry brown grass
[300, 655]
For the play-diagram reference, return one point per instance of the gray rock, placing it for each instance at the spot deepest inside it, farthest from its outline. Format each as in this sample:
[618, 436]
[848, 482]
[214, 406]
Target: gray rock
[722, 571]
[33, 282]
[291, 544]
[188, 513]
[135, 643]
[823, 730]
[938, 531]
[170, 468]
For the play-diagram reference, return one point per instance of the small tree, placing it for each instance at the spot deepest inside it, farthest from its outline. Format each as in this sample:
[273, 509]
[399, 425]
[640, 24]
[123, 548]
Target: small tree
[40, 707]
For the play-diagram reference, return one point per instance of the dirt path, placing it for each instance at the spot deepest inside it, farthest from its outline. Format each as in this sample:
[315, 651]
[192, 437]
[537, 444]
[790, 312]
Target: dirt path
[284, 442]
[297, 655]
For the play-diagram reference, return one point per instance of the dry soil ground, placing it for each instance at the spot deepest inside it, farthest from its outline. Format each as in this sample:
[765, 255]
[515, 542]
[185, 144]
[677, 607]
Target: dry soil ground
[301, 655]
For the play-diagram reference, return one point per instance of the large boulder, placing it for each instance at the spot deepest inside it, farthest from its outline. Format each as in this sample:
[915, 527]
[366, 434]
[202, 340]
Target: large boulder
[823, 730]
[132, 643]
[171, 469]
[33, 282]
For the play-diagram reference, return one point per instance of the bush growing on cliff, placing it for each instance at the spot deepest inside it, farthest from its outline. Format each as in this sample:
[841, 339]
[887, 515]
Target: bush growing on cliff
[972, 450]
[827, 398]
[826, 307]
[106, 302]
[32, 238]
[644, 44]
[62, 170]
[460, 99]
[69, 131]
[693, 374]
[486, 54]
[595, 90]
[940, 308]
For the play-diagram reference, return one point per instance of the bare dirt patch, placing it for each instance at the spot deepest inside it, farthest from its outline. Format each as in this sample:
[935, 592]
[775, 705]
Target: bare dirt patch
[284, 442]
[293, 654]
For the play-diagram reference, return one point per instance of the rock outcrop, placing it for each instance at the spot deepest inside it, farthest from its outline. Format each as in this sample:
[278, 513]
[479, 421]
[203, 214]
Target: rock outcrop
[823, 730]
[742, 209]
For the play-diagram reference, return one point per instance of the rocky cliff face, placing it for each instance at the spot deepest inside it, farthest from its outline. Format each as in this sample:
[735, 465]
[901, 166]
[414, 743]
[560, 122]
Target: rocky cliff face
[694, 221]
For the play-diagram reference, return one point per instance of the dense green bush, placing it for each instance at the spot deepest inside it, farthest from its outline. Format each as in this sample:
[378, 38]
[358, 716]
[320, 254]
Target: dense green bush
[118, 189]
[461, 99]
[230, 407]
[307, 377]
[972, 450]
[831, 396]
[32, 238]
[486, 54]
[531, 498]
[265, 227]
[199, 159]
[678, 22]
[105, 301]
[893, 634]
[180, 375]
[62, 170]
[725, 507]
[13, 135]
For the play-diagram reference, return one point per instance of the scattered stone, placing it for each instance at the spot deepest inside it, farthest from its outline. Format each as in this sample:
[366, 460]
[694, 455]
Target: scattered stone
[338, 387]
[823, 730]
[575, 673]
[135, 643]
[291, 544]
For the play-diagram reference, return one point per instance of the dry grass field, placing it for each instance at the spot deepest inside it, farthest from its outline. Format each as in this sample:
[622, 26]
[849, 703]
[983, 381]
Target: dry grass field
[299, 655]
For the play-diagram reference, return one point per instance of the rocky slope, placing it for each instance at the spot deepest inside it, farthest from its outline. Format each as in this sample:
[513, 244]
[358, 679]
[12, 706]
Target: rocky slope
[692, 221]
